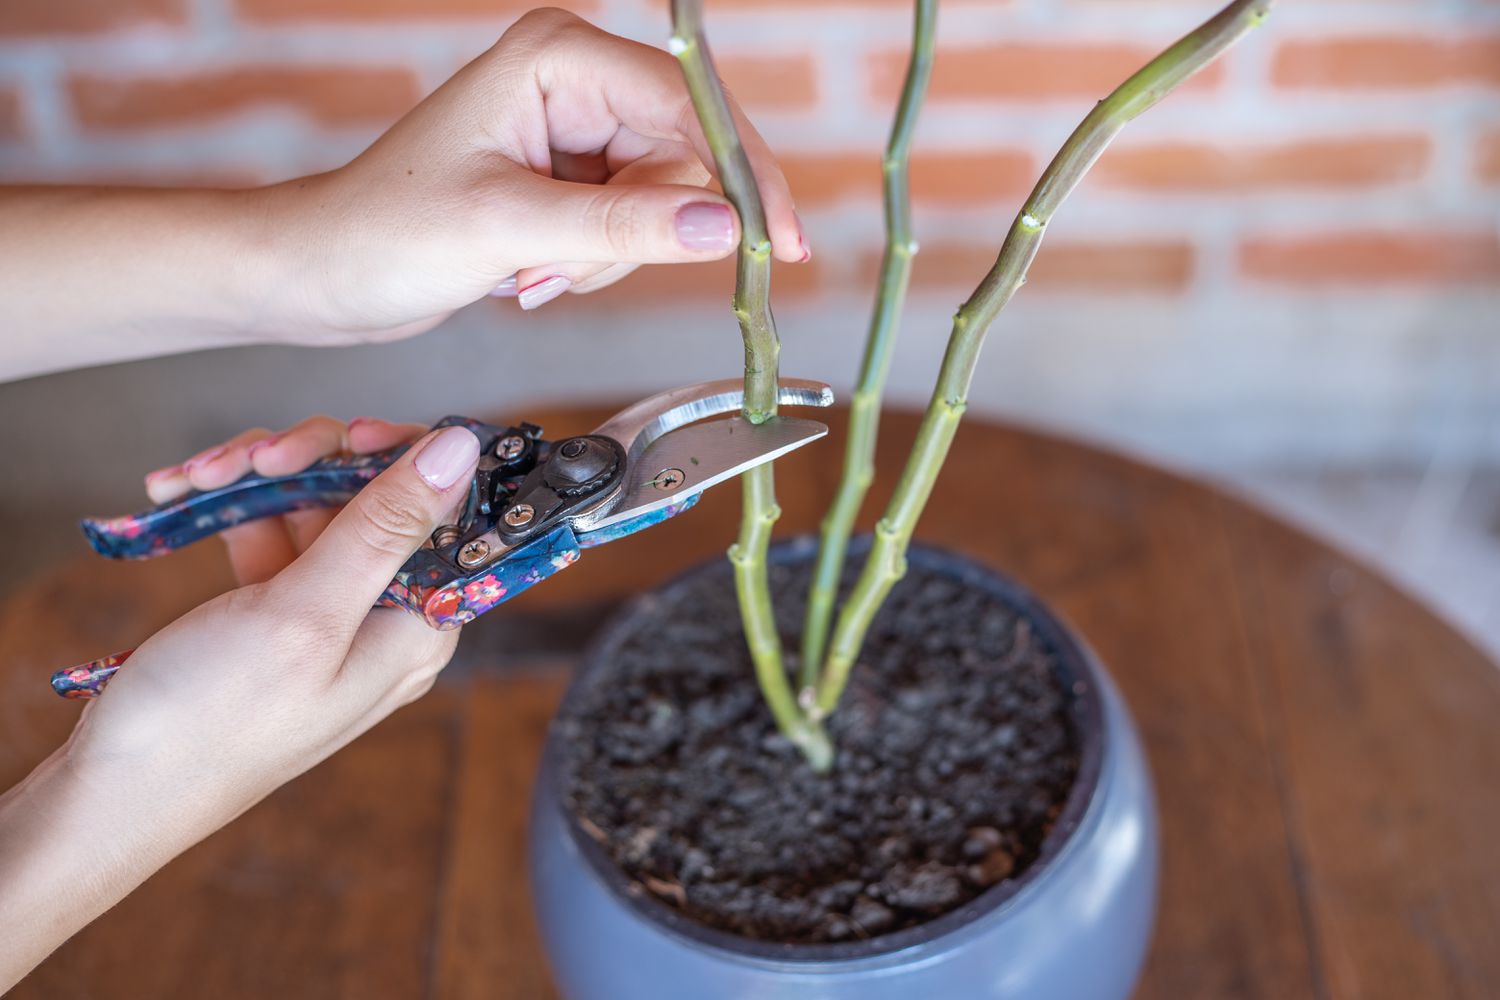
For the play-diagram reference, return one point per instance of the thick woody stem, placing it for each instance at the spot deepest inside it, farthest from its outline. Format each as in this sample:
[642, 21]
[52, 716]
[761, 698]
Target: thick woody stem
[864, 409]
[887, 559]
[752, 307]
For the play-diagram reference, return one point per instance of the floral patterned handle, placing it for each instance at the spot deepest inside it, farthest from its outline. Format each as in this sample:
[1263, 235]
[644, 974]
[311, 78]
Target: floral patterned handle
[87, 679]
[328, 483]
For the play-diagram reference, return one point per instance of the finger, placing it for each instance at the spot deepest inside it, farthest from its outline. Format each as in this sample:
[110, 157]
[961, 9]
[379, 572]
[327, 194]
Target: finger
[209, 469]
[258, 550]
[362, 436]
[216, 467]
[166, 484]
[304, 526]
[579, 279]
[641, 166]
[345, 570]
[300, 446]
[642, 88]
[395, 657]
[603, 279]
[632, 224]
[369, 434]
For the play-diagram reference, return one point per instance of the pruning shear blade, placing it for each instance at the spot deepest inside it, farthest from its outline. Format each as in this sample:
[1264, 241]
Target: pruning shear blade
[689, 460]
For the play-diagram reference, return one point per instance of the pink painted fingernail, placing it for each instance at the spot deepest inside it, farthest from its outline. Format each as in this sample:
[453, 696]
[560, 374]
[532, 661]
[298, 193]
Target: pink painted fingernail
[506, 289]
[263, 443]
[448, 457]
[203, 458]
[802, 240]
[705, 225]
[171, 470]
[539, 293]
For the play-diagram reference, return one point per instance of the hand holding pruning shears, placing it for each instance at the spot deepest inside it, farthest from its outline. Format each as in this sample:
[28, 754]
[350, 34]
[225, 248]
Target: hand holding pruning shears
[557, 161]
[527, 513]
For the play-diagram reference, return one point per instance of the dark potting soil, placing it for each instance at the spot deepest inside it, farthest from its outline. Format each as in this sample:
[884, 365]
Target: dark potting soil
[955, 748]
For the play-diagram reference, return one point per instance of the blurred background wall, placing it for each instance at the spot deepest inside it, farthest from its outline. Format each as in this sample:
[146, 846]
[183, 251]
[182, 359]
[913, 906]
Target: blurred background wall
[1285, 278]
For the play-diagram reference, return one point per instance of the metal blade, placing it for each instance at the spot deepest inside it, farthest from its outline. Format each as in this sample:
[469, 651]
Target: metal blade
[640, 424]
[691, 459]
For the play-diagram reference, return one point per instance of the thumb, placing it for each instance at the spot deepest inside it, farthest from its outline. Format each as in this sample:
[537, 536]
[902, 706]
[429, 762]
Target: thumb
[626, 223]
[355, 557]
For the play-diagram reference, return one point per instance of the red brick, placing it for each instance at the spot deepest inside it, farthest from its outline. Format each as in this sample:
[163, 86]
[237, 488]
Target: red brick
[12, 114]
[81, 17]
[396, 10]
[936, 177]
[774, 82]
[1487, 157]
[1419, 256]
[330, 95]
[1159, 266]
[1024, 71]
[1387, 63]
[666, 284]
[1357, 161]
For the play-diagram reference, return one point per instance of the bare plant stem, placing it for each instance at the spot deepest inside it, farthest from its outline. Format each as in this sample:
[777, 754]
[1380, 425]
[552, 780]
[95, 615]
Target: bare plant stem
[887, 559]
[752, 307]
[864, 408]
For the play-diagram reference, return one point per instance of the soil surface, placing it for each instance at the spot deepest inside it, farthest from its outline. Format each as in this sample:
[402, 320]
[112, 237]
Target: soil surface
[956, 753]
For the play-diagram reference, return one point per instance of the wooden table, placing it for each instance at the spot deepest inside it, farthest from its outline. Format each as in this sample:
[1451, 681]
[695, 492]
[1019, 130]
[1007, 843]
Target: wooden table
[1327, 752]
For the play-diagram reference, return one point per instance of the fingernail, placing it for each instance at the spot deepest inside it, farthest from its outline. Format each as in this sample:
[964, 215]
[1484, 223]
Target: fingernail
[539, 293]
[364, 420]
[506, 289]
[448, 457]
[171, 470]
[262, 443]
[203, 458]
[802, 240]
[705, 225]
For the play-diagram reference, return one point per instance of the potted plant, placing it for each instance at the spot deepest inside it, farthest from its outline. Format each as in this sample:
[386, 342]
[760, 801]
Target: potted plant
[969, 813]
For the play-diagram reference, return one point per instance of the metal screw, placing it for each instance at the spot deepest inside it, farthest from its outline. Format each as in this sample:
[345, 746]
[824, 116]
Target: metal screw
[473, 553]
[509, 447]
[520, 515]
[668, 480]
[446, 534]
[574, 448]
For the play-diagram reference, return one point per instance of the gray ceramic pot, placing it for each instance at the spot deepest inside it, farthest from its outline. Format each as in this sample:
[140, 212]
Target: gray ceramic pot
[1074, 925]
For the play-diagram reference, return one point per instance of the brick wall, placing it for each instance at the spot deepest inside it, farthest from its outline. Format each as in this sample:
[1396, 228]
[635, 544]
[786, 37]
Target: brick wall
[1299, 251]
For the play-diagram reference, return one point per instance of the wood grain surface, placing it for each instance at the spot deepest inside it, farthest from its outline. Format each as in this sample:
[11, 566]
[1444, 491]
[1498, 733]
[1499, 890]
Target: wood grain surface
[1326, 751]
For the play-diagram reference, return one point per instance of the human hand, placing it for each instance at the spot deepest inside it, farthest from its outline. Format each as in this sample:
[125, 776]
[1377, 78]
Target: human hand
[227, 703]
[255, 687]
[259, 549]
[557, 161]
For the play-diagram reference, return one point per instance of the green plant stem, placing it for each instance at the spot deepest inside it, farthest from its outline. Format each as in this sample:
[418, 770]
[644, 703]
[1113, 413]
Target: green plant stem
[752, 307]
[887, 559]
[864, 408]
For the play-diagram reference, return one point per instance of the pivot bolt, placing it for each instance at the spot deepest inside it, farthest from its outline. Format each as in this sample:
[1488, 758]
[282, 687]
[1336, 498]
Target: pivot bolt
[668, 480]
[573, 448]
[473, 553]
[509, 447]
[520, 515]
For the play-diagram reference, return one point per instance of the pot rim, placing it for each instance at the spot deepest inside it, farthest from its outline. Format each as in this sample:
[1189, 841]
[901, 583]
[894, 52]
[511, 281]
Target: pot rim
[1079, 670]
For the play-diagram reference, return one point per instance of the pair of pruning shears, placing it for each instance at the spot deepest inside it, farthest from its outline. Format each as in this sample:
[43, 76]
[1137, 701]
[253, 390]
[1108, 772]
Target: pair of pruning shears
[532, 507]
